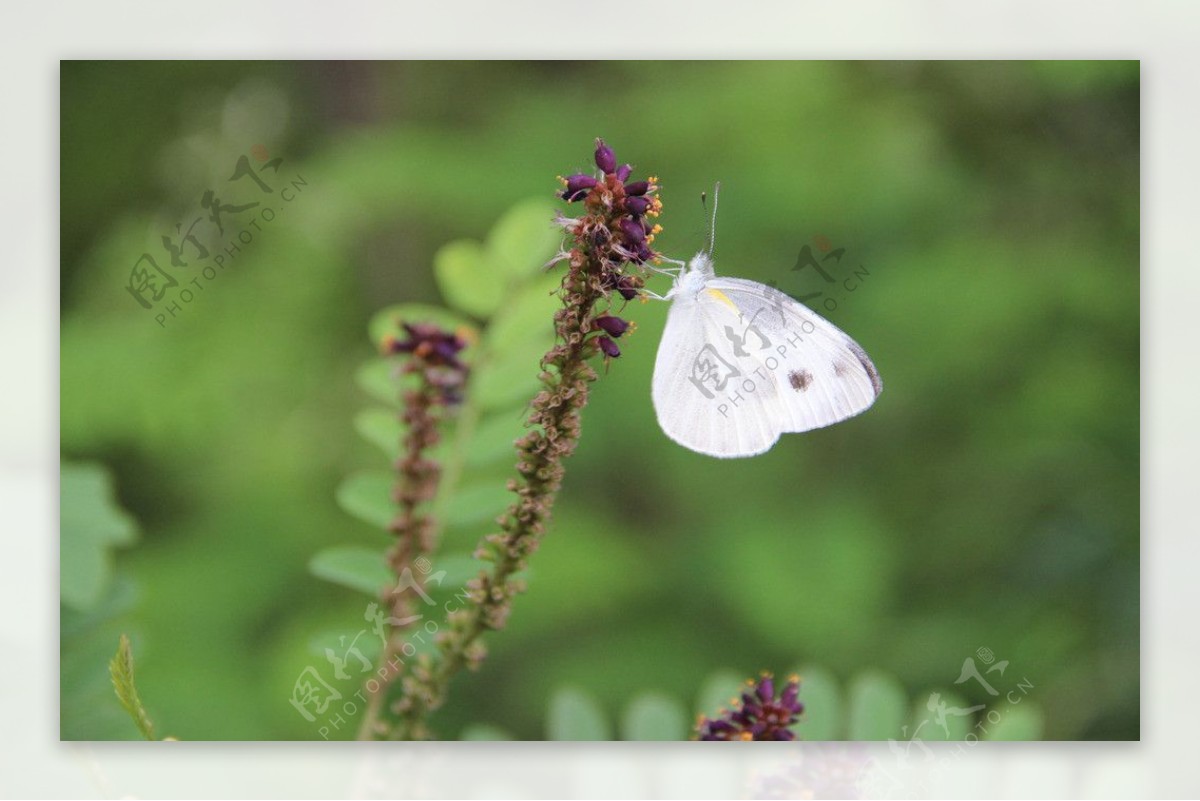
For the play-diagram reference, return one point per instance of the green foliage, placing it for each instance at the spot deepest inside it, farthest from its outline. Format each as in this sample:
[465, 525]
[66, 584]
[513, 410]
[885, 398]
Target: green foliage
[575, 715]
[121, 671]
[88, 709]
[503, 356]
[718, 691]
[96, 602]
[654, 716]
[352, 566]
[367, 496]
[878, 708]
[824, 711]
[91, 526]
[1024, 722]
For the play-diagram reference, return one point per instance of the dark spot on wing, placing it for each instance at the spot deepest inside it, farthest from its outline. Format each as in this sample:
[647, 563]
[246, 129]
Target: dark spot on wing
[865, 361]
[800, 380]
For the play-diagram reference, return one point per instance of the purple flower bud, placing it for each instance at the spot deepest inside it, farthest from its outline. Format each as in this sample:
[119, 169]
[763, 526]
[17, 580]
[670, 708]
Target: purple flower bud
[437, 348]
[608, 347]
[789, 698]
[628, 287]
[637, 188]
[636, 205]
[633, 231]
[613, 326]
[766, 689]
[606, 160]
[578, 186]
[643, 253]
[623, 171]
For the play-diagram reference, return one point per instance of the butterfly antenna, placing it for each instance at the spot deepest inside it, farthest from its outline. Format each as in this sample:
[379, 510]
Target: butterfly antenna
[712, 226]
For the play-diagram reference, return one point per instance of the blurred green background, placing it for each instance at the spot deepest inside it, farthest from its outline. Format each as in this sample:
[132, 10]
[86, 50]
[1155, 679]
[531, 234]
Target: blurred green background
[988, 500]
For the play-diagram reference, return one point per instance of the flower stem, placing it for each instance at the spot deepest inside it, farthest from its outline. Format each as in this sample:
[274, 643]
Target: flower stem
[556, 427]
[440, 376]
[613, 232]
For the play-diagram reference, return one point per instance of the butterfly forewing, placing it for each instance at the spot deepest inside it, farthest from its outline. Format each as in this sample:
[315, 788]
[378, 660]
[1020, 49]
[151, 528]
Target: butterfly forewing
[740, 363]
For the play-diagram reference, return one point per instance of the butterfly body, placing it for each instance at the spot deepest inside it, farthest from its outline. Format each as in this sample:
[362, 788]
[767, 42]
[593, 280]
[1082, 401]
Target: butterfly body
[741, 363]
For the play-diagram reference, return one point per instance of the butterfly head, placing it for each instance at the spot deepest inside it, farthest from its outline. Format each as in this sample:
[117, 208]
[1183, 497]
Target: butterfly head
[692, 279]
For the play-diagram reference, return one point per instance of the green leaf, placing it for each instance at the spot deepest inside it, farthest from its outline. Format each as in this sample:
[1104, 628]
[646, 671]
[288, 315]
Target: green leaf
[505, 382]
[478, 503]
[494, 438]
[574, 715]
[1023, 721]
[654, 716]
[339, 640]
[460, 568]
[516, 341]
[527, 317]
[878, 708]
[87, 711]
[484, 731]
[121, 670]
[717, 691]
[822, 696]
[465, 279]
[381, 427]
[91, 526]
[386, 322]
[524, 239]
[925, 723]
[368, 496]
[353, 566]
[380, 379]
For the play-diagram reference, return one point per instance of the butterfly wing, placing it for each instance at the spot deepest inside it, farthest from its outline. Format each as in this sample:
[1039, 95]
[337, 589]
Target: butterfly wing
[820, 374]
[693, 372]
[740, 363]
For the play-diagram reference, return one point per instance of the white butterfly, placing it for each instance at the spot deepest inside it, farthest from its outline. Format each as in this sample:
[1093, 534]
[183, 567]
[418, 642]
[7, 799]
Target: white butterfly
[741, 363]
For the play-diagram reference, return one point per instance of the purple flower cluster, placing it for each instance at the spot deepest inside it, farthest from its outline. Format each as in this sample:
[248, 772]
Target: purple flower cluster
[435, 355]
[616, 230]
[758, 714]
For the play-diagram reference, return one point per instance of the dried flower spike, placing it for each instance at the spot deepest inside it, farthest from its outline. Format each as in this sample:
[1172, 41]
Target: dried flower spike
[608, 244]
[433, 356]
[758, 714]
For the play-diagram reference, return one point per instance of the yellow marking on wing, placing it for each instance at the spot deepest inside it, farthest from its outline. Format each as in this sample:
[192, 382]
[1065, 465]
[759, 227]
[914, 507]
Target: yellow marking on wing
[721, 296]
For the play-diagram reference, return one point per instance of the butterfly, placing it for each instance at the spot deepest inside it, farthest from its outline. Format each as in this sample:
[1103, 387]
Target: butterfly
[741, 363]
